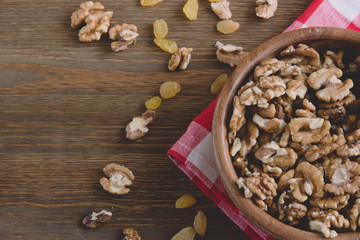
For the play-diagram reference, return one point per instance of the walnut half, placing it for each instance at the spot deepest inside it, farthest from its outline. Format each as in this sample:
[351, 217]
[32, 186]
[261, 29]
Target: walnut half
[94, 219]
[138, 126]
[180, 59]
[119, 178]
[131, 234]
[126, 35]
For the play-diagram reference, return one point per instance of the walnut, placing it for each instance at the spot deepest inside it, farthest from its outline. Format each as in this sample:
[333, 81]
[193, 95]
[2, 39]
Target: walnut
[286, 104]
[86, 9]
[272, 171]
[269, 125]
[260, 203]
[354, 214]
[275, 156]
[333, 114]
[241, 163]
[97, 21]
[351, 149]
[237, 119]
[180, 59]
[94, 219]
[284, 140]
[308, 130]
[235, 148]
[131, 234]
[248, 139]
[290, 209]
[266, 89]
[230, 54]
[331, 163]
[310, 56]
[335, 91]
[290, 71]
[327, 145]
[268, 112]
[138, 126]
[283, 183]
[119, 178]
[322, 220]
[333, 59]
[336, 202]
[266, 8]
[342, 103]
[267, 68]
[323, 77]
[298, 148]
[345, 179]
[221, 9]
[353, 136]
[308, 181]
[126, 35]
[307, 112]
[261, 185]
[296, 88]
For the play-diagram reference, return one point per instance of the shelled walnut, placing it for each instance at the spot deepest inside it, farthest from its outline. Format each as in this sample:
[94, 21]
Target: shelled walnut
[230, 54]
[180, 59]
[138, 126]
[306, 153]
[94, 219]
[126, 35]
[266, 8]
[120, 177]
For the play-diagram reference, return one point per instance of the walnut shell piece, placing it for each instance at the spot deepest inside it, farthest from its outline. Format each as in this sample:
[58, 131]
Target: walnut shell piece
[125, 35]
[119, 178]
[230, 54]
[261, 185]
[94, 219]
[131, 234]
[322, 220]
[266, 8]
[180, 59]
[138, 126]
[308, 181]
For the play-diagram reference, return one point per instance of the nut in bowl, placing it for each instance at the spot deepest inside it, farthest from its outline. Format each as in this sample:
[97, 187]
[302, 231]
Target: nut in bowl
[286, 135]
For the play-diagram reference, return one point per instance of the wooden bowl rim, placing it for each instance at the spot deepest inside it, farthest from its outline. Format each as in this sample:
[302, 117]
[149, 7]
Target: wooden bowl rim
[254, 214]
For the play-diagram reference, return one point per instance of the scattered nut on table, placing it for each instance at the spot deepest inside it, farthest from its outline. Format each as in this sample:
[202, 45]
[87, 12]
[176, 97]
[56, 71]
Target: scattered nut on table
[266, 8]
[97, 21]
[294, 138]
[120, 177]
[180, 59]
[94, 219]
[221, 9]
[138, 126]
[131, 234]
[229, 54]
[126, 35]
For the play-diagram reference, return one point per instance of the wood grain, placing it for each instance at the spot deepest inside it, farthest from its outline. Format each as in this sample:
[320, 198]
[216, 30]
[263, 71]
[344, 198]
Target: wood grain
[64, 106]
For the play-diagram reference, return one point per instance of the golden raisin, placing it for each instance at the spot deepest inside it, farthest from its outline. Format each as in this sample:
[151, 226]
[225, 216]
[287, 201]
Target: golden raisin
[187, 233]
[153, 103]
[160, 28]
[169, 89]
[166, 45]
[191, 9]
[227, 26]
[218, 84]
[200, 223]
[185, 201]
[149, 3]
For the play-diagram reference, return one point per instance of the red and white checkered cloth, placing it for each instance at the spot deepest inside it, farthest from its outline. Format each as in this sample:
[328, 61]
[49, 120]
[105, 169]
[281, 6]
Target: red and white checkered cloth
[193, 152]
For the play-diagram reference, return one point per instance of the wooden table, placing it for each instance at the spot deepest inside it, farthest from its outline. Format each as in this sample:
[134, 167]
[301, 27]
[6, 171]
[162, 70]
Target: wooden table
[64, 106]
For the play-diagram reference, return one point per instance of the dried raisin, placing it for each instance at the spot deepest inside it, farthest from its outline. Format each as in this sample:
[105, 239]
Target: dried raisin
[160, 28]
[153, 103]
[227, 26]
[218, 84]
[200, 223]
[185, 201]
[166, 45]
[149, 3]
[187, 233]
[191, 9]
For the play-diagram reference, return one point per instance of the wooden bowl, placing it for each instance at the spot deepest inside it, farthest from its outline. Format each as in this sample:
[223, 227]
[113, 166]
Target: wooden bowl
[321, 39]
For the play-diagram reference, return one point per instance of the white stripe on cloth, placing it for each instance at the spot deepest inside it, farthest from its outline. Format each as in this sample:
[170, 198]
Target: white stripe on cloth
[350, 9]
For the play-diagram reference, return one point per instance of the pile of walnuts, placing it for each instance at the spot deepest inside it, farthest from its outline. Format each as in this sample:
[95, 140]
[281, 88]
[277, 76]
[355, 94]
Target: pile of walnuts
[294, 137]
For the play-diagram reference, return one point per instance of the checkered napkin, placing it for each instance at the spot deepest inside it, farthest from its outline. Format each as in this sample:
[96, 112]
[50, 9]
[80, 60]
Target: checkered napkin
[193, 152]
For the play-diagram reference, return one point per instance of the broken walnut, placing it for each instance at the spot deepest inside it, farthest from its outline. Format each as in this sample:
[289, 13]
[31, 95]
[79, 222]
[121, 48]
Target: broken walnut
[180, 59]
[131, 234]
[126, 35]
[221, 9]
[120, 177]
[290, 209]
[94, 219]
[266, 8]
[229, 54]
[262, 186]
[138, 126]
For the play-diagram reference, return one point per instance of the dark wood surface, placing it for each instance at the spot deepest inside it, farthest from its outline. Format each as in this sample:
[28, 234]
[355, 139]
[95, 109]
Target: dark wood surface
[64, 106]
